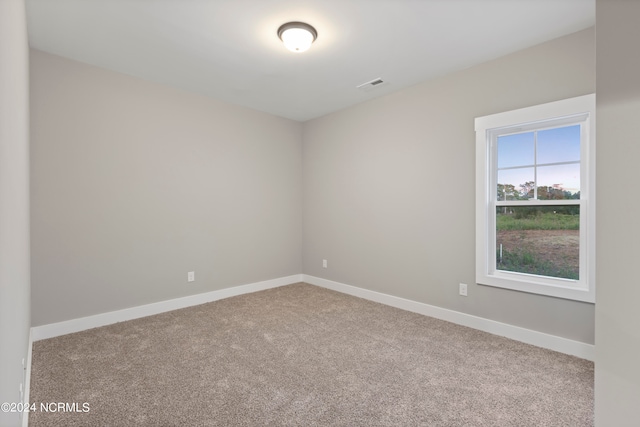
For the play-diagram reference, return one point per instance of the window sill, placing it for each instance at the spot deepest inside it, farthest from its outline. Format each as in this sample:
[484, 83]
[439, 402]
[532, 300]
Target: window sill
[538, 285]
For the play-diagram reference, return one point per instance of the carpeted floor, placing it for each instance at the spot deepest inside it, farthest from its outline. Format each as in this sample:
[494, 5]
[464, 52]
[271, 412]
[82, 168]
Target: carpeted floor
[301, 355]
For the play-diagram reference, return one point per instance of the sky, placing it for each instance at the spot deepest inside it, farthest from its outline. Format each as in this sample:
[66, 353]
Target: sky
[519, 155]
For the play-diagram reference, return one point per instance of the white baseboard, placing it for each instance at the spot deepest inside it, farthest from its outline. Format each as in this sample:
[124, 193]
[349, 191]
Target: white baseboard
[103, 319]
[539, 339]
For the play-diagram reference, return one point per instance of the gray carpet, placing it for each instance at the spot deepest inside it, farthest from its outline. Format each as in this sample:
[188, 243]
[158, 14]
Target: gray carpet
[301, 355]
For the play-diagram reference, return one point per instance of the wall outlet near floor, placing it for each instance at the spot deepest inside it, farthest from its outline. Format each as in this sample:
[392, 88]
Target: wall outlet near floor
[191, 276]
[324, 263]
[463, 289]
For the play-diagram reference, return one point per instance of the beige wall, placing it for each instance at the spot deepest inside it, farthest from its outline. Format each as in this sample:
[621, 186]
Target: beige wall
[134, 184]
[389, 186]
[14, 203]
[617, 364]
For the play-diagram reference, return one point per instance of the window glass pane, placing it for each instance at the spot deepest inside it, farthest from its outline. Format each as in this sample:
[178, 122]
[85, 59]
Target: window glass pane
[515, 184]
[559, 182]
[559, 145]
[541, 240]
[516, 150]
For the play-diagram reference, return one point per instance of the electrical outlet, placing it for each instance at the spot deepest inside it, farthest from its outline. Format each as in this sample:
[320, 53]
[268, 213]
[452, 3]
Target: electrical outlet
[324, 263]
[191, 276]
[463, 289]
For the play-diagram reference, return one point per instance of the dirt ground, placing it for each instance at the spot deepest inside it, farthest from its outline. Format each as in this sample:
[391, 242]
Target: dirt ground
[560, 247]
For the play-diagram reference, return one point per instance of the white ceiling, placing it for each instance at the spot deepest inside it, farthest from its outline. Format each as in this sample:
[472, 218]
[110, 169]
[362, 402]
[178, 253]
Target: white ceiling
[229, 49]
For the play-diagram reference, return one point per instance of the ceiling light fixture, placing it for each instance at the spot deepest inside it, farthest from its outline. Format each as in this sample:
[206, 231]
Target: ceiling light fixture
[297, 36]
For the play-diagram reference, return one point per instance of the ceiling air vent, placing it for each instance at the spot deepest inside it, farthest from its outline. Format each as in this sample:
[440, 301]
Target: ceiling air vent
[371, 84]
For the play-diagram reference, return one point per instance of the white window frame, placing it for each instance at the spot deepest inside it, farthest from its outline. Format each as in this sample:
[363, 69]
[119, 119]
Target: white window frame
[579, 110]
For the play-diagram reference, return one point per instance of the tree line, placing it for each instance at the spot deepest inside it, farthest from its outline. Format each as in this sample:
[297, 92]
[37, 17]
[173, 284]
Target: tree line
[526, 191]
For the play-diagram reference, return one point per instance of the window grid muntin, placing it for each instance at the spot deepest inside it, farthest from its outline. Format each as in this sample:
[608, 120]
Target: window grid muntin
[495, 134]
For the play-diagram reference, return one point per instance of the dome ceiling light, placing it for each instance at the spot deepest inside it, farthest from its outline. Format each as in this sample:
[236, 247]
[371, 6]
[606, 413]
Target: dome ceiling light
[297, 36]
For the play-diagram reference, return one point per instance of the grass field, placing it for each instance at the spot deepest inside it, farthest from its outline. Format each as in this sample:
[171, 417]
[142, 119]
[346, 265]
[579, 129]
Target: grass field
[545, 244]
[541, 221]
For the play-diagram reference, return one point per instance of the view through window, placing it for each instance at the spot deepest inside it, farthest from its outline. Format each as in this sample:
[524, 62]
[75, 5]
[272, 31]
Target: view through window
[534, 239]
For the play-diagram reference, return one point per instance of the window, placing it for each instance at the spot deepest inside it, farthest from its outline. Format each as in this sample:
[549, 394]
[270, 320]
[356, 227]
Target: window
[535, 201]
